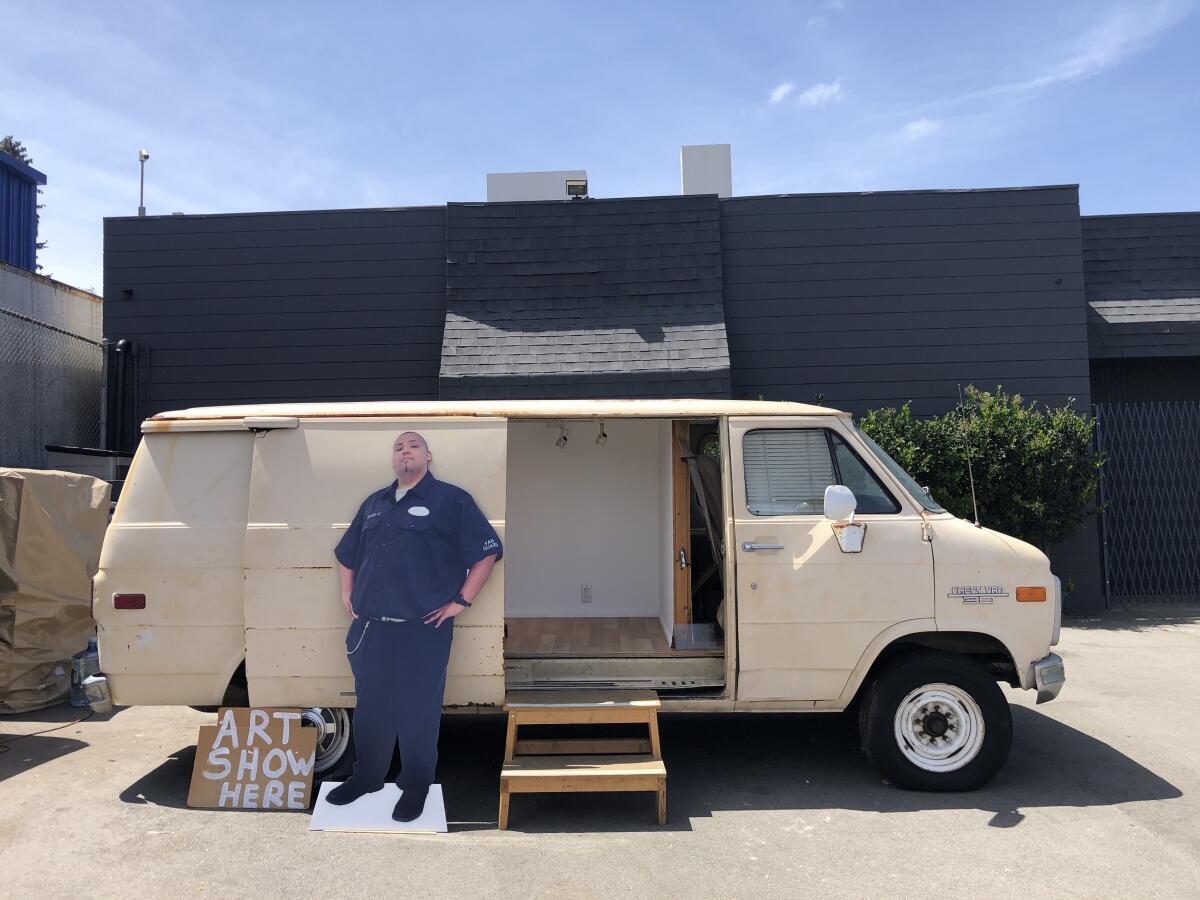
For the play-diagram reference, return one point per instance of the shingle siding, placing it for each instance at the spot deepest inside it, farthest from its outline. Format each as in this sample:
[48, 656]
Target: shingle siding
[869, 300]
[1143, 285]
[691, 384]
[594, 298]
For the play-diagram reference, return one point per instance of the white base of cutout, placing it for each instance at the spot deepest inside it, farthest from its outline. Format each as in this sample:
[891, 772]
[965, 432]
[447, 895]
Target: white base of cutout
[373, 812]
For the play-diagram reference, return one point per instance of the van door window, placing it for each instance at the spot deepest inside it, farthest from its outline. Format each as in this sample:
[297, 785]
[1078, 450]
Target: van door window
[787, 471]
[872, 496]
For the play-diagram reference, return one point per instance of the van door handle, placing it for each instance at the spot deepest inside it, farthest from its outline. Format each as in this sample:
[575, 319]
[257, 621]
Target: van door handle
[750, 548]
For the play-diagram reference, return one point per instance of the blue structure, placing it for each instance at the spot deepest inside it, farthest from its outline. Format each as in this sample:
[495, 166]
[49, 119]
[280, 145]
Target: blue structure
[18, 212]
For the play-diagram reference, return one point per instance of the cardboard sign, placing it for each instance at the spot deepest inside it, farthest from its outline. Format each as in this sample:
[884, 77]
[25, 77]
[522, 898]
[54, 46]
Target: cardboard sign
[254, 759]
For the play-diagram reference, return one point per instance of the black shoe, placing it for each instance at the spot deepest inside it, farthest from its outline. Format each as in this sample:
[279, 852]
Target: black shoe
[411, 804]
[349, 791]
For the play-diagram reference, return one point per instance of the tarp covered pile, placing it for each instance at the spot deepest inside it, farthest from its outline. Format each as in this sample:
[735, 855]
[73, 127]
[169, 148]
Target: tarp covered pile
[51, 528]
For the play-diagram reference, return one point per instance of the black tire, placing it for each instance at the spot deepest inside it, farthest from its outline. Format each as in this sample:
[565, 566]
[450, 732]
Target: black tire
[340, 767]
[895, 757]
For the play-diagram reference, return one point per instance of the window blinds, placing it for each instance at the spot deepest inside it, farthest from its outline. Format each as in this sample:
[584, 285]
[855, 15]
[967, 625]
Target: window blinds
[787, 471]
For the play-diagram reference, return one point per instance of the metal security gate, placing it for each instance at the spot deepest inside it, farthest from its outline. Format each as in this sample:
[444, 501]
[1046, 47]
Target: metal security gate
[1150, 496]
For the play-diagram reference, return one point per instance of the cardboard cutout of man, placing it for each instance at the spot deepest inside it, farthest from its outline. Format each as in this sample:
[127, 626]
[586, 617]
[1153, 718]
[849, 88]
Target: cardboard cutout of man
[415, 556]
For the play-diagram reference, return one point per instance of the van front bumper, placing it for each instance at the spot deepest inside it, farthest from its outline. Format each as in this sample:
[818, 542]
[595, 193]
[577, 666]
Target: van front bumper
[1049, 674]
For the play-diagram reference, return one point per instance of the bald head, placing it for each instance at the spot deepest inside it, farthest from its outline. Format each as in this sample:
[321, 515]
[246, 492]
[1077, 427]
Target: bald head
[410, 458]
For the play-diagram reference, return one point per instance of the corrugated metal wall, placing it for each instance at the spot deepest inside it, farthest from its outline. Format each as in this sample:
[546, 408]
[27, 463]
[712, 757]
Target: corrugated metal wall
[18, 220]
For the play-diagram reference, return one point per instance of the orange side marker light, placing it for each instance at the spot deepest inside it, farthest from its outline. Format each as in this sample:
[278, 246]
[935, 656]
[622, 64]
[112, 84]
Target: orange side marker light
[1031, 595]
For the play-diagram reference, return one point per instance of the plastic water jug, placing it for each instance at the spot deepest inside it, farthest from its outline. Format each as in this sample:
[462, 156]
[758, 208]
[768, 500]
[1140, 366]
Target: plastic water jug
[84, 663]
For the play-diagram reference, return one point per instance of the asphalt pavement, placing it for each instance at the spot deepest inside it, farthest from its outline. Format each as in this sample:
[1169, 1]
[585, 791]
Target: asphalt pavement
[1098, 799]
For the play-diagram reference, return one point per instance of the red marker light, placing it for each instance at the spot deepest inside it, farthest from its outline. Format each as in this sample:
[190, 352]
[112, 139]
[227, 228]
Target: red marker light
[129, 601]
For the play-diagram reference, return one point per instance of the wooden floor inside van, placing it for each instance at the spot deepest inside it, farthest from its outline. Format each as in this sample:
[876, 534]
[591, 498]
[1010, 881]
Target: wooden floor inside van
[549, 638]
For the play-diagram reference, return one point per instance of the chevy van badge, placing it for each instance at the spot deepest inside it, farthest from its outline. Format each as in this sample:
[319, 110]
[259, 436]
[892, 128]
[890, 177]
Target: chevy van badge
[977, 593]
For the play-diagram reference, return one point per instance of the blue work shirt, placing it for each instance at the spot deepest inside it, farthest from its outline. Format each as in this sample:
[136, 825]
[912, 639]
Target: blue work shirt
[411, 556]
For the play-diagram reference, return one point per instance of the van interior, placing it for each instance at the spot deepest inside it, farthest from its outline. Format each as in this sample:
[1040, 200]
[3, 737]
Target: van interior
[613, 555]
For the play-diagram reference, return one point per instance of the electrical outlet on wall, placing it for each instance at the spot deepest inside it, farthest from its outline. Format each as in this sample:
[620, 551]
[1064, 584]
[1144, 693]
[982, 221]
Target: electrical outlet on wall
[585, 593]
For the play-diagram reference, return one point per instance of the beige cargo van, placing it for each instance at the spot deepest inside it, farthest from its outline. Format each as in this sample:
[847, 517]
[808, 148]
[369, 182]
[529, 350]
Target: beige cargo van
[732, 556]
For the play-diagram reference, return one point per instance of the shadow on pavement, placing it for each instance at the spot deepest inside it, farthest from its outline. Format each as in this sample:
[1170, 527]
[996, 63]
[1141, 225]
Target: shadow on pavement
[44, 737]
[20, 753]
[166, 785]
[731, 763]
[758, 761]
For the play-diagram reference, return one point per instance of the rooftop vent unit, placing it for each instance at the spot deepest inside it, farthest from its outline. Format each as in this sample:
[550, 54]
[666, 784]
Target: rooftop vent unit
[705, 169]
[506, 187]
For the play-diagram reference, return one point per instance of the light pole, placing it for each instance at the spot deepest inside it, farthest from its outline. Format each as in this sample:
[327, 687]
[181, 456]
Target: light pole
[142, 157]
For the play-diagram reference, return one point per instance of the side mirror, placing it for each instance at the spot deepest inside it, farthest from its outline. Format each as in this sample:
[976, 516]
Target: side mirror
[839, 503]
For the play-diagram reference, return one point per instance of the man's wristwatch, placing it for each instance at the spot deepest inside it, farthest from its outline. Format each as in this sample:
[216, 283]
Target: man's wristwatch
[462, 601]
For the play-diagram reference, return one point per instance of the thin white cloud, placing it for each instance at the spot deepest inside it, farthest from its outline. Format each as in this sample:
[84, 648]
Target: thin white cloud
[919, 129]
[779, 94]
[1124, 32]
[191, 169]
[982, 117]
[822, 94]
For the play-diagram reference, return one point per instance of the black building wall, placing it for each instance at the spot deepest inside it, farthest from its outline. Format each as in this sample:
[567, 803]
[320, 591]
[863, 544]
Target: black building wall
[1143, 285]
[1142, 274]
[870, 300]
[325, 305]
[1155, 379]
[864, 299]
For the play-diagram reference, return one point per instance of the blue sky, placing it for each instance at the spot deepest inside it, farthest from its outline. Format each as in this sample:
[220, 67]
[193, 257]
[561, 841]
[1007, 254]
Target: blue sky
[264, 106]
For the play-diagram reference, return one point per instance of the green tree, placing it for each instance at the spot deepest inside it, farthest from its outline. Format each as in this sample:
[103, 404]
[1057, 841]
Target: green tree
[1036, 473]
[14, 148]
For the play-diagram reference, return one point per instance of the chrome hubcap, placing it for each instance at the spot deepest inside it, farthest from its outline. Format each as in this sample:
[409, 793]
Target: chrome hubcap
[334, 736]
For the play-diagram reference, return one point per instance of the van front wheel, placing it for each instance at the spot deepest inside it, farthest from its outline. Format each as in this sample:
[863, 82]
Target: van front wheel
[936, 722]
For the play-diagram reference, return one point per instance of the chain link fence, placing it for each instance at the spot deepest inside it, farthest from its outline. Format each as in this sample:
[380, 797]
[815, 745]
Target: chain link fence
[1149, 491]
[51, 388]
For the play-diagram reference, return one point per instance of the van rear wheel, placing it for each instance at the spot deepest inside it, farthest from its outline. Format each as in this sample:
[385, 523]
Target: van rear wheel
[333, 740]
[936, 722]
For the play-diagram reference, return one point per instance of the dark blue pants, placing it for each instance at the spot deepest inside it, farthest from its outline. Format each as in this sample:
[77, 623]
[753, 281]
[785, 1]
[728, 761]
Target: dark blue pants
[400, 679]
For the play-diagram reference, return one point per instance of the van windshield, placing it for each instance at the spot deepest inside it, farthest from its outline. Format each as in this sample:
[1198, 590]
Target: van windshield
[905, 479]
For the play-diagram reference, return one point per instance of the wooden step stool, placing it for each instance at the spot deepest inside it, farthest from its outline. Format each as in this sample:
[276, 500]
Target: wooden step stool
[581, 764]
